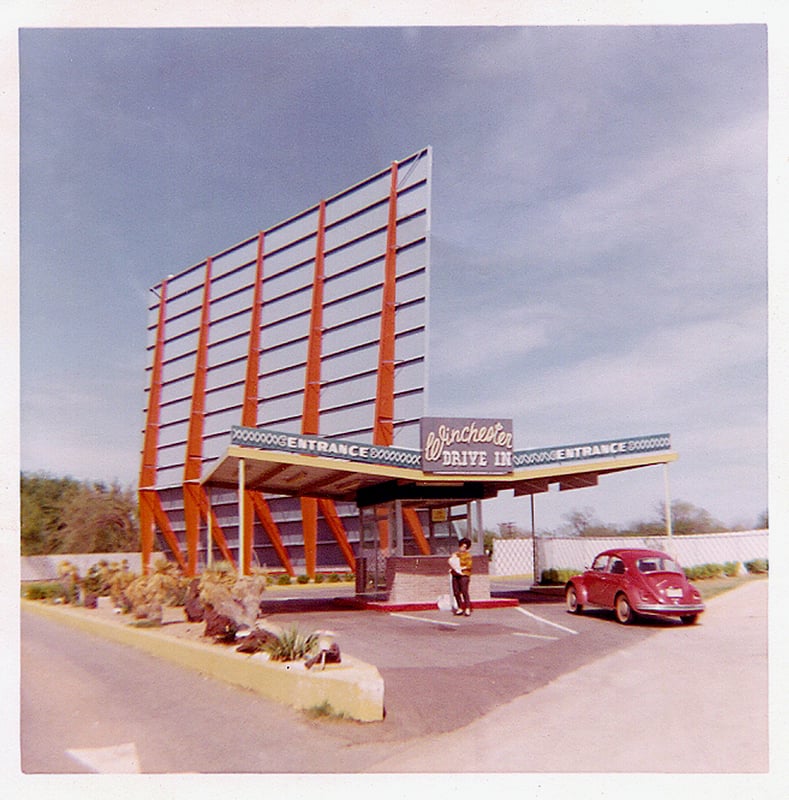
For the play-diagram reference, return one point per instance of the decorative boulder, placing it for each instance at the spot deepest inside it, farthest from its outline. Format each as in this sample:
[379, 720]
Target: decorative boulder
[193, 606]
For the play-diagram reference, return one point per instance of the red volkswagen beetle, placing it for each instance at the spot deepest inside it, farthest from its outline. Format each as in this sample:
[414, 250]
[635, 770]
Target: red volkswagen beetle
[634, 582]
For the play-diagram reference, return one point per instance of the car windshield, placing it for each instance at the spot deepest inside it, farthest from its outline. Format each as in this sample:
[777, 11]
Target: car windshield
[658, 564]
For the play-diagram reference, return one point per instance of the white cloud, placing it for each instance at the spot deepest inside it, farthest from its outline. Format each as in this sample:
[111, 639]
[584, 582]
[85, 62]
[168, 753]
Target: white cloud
[486, 339]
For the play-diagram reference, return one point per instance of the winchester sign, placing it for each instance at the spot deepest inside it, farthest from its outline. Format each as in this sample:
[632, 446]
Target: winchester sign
[468, 446]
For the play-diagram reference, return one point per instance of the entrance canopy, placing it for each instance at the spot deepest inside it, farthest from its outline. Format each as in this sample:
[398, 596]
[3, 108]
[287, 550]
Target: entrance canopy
[312, 466]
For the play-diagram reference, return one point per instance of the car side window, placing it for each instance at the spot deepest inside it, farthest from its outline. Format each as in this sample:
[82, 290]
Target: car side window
[600, 564]
[617, 566]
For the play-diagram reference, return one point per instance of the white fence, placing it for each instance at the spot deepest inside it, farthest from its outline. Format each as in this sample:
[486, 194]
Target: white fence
[515, 556]
[45, 568]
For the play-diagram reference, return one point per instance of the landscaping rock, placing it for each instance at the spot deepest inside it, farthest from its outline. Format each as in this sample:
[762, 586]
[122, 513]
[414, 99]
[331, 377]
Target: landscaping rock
[193, 606]
[219, 626]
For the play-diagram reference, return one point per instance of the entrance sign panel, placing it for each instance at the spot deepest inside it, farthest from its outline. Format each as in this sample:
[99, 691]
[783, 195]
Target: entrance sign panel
[542, 456]
[467, 446]
[304, 444]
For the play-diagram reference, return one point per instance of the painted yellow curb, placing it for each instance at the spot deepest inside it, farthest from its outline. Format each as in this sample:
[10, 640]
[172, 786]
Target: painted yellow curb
[352, 688]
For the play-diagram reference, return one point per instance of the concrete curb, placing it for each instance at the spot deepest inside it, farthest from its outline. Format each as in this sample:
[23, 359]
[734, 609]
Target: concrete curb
[352, 688]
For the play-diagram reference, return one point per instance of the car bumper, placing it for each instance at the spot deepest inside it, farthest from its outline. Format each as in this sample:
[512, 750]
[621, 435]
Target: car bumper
[671, 611]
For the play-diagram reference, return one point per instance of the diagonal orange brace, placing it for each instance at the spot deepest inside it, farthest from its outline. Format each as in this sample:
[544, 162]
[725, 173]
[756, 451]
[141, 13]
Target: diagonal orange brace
[309, 521]
[412, 518]
[217, 534]
[270, 526]
[153, 502]
[329, 511]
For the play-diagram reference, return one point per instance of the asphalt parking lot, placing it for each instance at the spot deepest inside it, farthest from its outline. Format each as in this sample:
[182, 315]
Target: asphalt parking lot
[442, 672]
[520, 689]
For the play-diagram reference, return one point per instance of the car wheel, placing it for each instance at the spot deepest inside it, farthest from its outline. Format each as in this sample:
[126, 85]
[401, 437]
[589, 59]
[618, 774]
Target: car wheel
[624, 613]
[690, 619]
[571, 596]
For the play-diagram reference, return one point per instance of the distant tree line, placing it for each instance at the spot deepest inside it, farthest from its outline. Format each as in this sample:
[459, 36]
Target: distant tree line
[63, 515]
[686, 519]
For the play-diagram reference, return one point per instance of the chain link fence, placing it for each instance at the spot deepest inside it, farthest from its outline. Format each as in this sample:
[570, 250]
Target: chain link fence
[516, 556]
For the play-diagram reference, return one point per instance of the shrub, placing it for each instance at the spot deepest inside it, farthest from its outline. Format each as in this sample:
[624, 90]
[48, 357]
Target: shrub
[148, 594]
[283, 580]
[759, 566]
[68, 575]
[291, 645]
[303, 579]
[333, 578]
[319, 577]
[350, 577]
[704, 571]
[324, 711]
[43, 590]
[557, 577]
[100, 577]
[120, 582]
[731, 569]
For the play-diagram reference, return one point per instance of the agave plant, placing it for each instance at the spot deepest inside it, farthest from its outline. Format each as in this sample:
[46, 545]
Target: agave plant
[292, 645]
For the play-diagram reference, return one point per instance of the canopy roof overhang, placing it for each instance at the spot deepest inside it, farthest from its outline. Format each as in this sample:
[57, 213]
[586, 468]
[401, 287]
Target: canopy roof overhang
[279, 473]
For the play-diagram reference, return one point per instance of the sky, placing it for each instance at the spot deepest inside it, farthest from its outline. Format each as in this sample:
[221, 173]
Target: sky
[599, 255]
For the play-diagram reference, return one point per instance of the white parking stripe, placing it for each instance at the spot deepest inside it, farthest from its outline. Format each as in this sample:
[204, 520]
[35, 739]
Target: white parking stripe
[547, 622]
[422, 619]
[535, 636]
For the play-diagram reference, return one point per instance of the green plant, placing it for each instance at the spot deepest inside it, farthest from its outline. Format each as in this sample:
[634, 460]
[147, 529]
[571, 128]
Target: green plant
[303, 579]
[319, 577]
[702, 572]
[69, 578]
[759, 566]
[118, 585]
[100, 576]
[731, 569]
[43, 590]
[556, 577]
[148, 594]
[283, 580]
[291, 645]
[325, 711]
[333, 578]
[350, 577]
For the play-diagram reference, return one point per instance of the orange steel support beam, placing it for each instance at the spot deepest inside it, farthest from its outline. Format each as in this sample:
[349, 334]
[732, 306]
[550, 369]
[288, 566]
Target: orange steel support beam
[383, 426]
[146, 531]
[264, 515]
[151, 438]
[310, 417]
[309, 525]
[151, 511]
[249, 412]
[197, 507]
[217, 533]
[383, 433]
[382, 519]
[329, 511]
[249, 416]
[412, 518]
[151, 508]
[194, 445]
[312, 382]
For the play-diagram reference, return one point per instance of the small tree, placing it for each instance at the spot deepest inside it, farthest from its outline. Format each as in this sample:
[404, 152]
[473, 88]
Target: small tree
[687, 518]
[98, 519]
